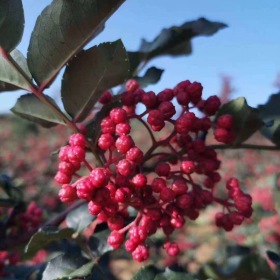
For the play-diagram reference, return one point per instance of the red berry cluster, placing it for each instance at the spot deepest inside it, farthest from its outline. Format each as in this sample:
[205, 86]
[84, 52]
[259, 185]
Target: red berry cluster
[7, 258]
[238, 205]
[167, 184]
[28, 221]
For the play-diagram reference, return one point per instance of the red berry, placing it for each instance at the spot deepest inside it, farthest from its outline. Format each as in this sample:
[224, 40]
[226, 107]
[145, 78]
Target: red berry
[149, 99]
[106, 97]
[139, 180]
[99, 177]
[195, 92]
[123, 128]
[108, 126]
[77, 139]
[135, 155]
[124, 143]
[93, 208]
[163, 169]
[167, 109]
[212, 104]
[105, 141]
[118, 115]
[141, 253]
[116, 222]
[125, 167]
[187, 167]
[85, 189]
[225, 121]
[172, 249]
[131, 85]
[165, 95]
[115, 239]
[67, 193]
[62, 178]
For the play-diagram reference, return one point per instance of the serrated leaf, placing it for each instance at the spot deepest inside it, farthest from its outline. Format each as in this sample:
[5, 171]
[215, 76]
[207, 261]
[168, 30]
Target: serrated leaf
[10, 78]
[98, 243]
[45, 236]
[79, 219]
[275, 258]
[94, 126]
[29, 107]
[246, 119]
[271, 111]
[135, 58]
[152, 76]
[61, 31]
[82, 271]
[146, 273]
[62, 266]
[11, 24]
[91, 73]
[174, 41]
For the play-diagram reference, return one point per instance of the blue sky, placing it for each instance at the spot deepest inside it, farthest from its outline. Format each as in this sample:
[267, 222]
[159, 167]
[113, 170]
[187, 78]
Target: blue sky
[248, 50]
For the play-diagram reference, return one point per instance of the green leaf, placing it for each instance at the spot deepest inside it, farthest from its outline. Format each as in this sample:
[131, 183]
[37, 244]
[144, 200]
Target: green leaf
[172, 275]
[61, 31]
[62, 266]
[83, 271]
[45, 236]
[29, 107]
[246, 119]
[135, 58]
[146, 273]
[275, 258]
[98, 243]
[271, 111]
[15, 194]
[79, 219]
[174, 41]
[152, 76]
[91, 73]
[11, 24]
[250, 267]
[94, 126]
[10, 78]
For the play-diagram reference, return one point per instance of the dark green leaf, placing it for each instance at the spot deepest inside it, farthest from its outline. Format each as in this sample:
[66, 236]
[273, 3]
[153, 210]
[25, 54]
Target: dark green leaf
[83, 271]
[146, 273]
[45, 236]
[98, 243]
[7, 87]
[275, 258]
[61, 31]
[10, 78]
[94, 126]
[250, 267]
[29, 107]
[62, 266]
[246, 119]
[135, 58]
[174, 41]
[97, 273]
[152, 76]
[172, 275]
[91, 73]
[271, 111]
[15, 194]
[11, 24]
[79, 219]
